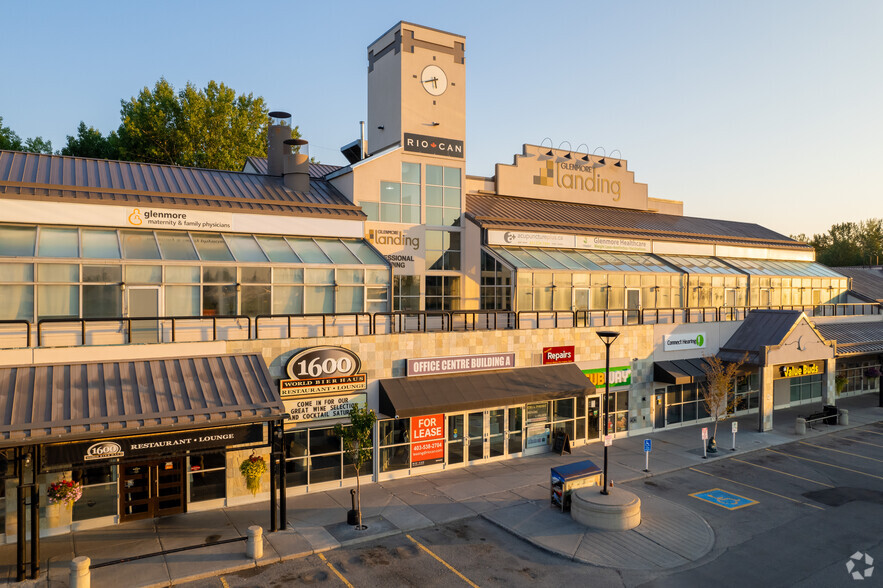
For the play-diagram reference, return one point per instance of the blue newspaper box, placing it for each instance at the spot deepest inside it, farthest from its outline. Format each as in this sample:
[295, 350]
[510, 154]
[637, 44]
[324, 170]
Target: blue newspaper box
[567, 478]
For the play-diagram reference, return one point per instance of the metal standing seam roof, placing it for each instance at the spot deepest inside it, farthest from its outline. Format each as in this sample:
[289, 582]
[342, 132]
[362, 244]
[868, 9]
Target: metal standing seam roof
[854, 338]
[61, 402]
[61, 178]
[317, 170]
[761, 328]
[506, 212]
[415, 396]
[866, 282]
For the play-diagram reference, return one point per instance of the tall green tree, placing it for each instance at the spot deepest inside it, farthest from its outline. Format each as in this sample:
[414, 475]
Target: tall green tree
[10, 140]
[89, 142]
[211, 127]
[849, 243]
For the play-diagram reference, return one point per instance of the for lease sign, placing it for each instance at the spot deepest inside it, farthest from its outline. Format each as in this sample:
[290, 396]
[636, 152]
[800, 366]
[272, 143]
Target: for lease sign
[427, 439]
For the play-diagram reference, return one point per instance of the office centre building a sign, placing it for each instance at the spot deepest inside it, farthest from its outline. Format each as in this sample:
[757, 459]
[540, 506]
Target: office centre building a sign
[428, 366]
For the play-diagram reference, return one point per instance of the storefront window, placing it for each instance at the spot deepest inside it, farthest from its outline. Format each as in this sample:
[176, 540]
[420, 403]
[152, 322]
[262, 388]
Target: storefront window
[442, 196]
[325, 456]
[442, 292]
[747, 392]
[496, 284]
[395, 449]
[443, 250]
[806, 388]
[100, 492]
[208, 476]
[537, 423]
[618, 412]
[406, 293]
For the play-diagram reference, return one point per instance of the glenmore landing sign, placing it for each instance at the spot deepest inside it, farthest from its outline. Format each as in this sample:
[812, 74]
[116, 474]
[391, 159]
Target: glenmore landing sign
[571, 179]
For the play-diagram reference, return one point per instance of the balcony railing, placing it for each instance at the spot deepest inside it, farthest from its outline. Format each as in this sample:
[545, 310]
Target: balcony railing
[53, 332]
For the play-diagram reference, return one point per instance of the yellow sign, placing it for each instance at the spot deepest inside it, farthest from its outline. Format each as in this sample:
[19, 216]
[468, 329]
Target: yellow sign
[795, 371]
[352, 383]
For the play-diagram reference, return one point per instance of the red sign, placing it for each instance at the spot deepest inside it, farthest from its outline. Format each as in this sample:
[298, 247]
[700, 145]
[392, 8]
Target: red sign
[427, 439]
[558, 354]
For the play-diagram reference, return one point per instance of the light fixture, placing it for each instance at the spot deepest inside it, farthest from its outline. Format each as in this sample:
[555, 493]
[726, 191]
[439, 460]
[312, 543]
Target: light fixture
[122, 286]
[601, 162]
[564, 158]
[548, 155]
[238, 287]
[26, 460]
[381, 127]
[607, 337]
[434, 124]
[619, 159]
[585, 158]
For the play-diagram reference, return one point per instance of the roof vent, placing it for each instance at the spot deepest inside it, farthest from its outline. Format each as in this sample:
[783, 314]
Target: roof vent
[278, 131]
[296, 165]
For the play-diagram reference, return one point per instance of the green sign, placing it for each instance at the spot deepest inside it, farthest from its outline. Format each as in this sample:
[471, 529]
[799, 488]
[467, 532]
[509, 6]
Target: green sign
[619, 376]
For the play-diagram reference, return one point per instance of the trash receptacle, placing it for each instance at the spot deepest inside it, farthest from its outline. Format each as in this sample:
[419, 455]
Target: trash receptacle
[830, 414]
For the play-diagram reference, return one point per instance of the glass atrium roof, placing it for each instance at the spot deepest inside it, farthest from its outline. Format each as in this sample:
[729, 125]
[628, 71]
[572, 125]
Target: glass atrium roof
[700, 265]
[580, 260]
[768, 267]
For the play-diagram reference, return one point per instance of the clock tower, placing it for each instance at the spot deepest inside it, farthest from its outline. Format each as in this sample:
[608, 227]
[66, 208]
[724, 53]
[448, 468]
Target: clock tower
[417, 91]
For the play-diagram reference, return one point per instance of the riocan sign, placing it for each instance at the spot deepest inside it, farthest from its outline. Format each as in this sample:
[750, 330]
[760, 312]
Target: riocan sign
[426, 366]
[323, 370]
[558, 354]
[98, 451]
[427, 440]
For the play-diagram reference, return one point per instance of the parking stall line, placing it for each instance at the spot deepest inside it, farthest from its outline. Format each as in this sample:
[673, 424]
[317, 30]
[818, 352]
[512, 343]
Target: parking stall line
[224, 582]
[443, 562]
[758, 489]
[336, 573]
[864, 442]
[841, 451]
[870, 431]
[781, 472]
[826, 464]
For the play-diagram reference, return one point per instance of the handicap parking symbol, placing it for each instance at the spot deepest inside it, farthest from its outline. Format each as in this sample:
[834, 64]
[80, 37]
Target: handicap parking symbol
[725, 499]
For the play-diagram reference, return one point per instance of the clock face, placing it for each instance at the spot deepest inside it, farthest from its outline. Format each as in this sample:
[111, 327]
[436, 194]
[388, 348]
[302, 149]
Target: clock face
[434, 80]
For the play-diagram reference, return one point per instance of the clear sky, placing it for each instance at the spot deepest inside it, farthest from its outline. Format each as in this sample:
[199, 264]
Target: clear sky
[760, 111]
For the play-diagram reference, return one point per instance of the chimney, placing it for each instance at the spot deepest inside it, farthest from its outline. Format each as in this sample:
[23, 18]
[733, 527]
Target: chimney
[277, 133]
[296, 166]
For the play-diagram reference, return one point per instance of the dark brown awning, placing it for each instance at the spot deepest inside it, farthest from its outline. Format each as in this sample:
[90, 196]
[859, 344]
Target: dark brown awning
[66, 402]
[680, 371]
[415, 396]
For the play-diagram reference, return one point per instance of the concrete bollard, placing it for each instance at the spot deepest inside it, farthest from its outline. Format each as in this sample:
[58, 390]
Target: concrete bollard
[254, 546]
[800, 426]
[81, 576]
[843, 417]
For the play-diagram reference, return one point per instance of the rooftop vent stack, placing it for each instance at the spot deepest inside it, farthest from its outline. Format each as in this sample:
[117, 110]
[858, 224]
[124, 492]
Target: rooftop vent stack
[277, 133]
[362, 139]
[296, 166]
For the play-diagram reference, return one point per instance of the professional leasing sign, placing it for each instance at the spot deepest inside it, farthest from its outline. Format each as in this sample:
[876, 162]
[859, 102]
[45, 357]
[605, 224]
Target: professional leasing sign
[99, 451]
[433, 145]
[428, 366]
[427, 440]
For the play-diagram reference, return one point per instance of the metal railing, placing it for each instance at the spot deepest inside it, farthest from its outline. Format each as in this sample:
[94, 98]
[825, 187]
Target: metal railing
[364, 323]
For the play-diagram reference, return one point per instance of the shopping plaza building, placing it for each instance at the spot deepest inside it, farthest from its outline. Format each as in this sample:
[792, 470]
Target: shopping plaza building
[161, 324]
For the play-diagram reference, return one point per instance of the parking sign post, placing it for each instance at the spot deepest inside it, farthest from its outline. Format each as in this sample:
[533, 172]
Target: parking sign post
[646, 455]
[704, 444]
[735, 428]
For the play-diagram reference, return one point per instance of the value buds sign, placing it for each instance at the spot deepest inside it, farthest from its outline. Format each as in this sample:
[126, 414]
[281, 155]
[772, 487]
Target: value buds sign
[427, 440]
[323, 384]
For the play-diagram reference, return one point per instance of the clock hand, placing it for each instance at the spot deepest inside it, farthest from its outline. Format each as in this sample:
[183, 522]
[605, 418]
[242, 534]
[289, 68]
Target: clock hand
[433, 80]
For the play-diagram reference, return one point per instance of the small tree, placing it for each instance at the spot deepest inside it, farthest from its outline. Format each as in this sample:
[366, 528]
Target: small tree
[716, 394]
[358, 445]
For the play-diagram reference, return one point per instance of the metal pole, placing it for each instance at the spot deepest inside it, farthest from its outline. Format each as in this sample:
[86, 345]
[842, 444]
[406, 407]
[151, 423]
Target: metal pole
[273, 470]
[20, 527]
[606, 412]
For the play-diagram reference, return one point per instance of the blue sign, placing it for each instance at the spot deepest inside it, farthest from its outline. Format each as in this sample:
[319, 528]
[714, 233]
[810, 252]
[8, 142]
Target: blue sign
[647, 445]
[728, 500]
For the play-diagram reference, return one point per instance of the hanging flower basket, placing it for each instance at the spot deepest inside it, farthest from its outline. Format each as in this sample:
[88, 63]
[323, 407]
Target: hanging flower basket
[64, 491]
[252, 469]
[873, 372]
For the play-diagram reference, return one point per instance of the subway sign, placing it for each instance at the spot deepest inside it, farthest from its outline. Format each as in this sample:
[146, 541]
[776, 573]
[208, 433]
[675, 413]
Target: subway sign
[619, 376]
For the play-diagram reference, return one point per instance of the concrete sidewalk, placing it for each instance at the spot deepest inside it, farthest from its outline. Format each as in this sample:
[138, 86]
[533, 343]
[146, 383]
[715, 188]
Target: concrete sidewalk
[513, 494]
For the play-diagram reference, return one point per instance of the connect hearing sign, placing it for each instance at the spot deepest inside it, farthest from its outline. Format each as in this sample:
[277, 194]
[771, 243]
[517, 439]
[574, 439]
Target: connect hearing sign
[427, 440]
[683, 341]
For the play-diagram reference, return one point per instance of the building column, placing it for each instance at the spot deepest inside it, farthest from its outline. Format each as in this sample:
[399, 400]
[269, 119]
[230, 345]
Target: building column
[765, 420]
[830, 394]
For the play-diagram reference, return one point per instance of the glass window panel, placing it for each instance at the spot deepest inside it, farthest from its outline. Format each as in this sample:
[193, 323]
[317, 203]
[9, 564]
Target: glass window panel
[350, 299]
[182, 274]
[411, 214]
[288, 275]
[511, 259]
[58, 301]
[350, 276]
[410, 194]
[390, 192]
[58, 243]
[142, 274]
[245, 248]
[451, 217]
[101, 301]
[255, 300]
[277, 250]
[57, 272]
[434, 196]
[139, 245]
[182, 301]
[209, 485]
[452, 197]
[101, 244]
[102, 273]
[337, 251]
[17, 241]
[411, 172]
[366, 253]
[318, 299]
[18, 302]
[18, 272]
[255, 275]
[176, 246]
[391, 213]
[219, 274]
[319, 276]
[434, 175]
[211, 247]
[288, 300]
[218, 300]
[452, 177]
[371, 210]
[308, 251]
[435, 216]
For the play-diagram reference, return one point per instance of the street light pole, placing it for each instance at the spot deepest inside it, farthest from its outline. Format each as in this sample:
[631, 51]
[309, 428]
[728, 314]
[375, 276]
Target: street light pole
[608, 337]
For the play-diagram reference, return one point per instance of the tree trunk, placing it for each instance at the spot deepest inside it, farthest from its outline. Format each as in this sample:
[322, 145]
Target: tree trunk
[358, 501]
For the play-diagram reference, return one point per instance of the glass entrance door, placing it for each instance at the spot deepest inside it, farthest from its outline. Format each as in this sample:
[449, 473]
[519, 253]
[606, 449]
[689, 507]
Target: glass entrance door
[456, 439]
[144, 301]
[593, 415]
[475, 435]
[152, 489]
[633, 305]
[492, 433]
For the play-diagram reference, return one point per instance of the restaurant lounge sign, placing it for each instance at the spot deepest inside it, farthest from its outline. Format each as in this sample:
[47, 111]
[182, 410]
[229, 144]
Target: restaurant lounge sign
[324, 383]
